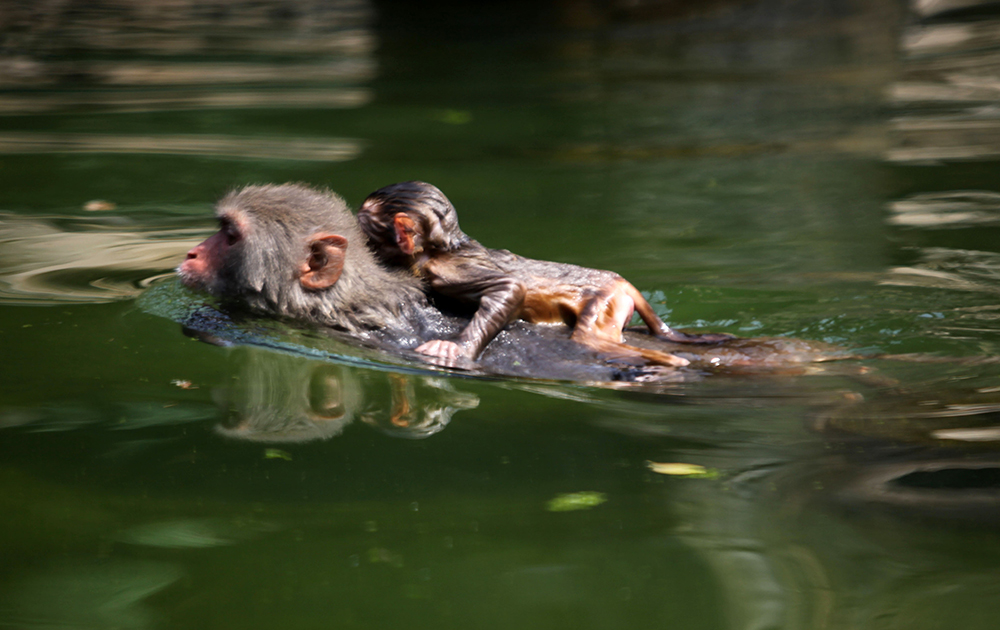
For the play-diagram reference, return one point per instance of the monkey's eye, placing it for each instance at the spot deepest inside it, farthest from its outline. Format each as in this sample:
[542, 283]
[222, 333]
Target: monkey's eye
[230, 231]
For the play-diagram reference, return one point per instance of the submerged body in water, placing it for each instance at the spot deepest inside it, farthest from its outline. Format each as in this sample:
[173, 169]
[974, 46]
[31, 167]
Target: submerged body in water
[294, 252]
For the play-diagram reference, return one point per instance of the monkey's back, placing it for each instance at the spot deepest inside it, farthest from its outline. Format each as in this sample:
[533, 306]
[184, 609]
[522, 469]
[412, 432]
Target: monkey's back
[546, 272]
[555, 292]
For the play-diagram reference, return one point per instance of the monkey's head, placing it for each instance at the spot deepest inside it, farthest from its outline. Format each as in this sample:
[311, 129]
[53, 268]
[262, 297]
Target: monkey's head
[288, 250]
[404, 219]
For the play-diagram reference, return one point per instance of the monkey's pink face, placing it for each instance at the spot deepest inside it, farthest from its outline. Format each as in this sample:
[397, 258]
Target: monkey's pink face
[200, 270]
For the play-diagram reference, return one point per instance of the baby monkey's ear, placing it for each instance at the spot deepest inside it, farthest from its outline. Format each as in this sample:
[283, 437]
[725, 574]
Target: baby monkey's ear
[325, 262]
[406, 234]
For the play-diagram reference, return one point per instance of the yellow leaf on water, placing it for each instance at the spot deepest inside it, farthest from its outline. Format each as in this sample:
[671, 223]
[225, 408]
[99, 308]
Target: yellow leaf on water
[277, 453]
[679, 469]
[576, 501]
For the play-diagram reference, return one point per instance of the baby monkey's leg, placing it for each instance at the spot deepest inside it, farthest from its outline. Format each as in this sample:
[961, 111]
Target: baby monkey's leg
[658, 328]
[599, 326]
[623, 351]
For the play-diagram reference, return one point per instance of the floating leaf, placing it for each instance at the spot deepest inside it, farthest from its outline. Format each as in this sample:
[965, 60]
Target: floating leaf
[277, 453]
[679, 469]
[576, 501]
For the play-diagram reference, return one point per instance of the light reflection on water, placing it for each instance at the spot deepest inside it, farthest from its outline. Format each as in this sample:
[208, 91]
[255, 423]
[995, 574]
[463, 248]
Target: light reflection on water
[326, 149]
[43, 263]
[809, 170]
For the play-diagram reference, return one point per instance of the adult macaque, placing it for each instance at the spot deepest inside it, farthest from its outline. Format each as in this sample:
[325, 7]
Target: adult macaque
[413, 225]
[296, 252]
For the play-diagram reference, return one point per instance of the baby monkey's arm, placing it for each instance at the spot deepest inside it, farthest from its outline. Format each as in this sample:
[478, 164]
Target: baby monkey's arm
[499, 296]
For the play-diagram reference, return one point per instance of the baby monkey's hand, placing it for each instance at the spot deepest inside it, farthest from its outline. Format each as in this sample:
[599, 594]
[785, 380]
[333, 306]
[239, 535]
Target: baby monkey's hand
[450, 353]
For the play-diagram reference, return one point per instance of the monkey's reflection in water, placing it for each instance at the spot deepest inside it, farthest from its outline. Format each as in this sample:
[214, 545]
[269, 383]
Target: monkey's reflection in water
[282, 398]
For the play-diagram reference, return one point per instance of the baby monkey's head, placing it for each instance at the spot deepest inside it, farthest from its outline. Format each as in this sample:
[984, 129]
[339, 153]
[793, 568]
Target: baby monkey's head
[404, 219]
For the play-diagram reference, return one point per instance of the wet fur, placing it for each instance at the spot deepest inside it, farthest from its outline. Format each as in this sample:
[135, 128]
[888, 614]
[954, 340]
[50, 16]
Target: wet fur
[257, 272]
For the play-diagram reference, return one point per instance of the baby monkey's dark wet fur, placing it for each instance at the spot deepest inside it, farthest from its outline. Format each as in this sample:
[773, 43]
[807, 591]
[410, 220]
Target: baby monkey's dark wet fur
[413, 224]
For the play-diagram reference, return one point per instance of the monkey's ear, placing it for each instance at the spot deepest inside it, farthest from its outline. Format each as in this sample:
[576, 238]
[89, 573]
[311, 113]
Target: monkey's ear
[325, 263]
[405, 233]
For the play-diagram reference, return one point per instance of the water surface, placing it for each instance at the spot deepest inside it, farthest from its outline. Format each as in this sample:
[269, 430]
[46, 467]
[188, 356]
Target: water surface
[812, 170]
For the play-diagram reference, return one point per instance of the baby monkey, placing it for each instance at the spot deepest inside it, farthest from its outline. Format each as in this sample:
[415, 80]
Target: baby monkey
[413, 225]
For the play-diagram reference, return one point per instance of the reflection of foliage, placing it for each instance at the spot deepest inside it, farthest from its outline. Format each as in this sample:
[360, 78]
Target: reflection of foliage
[301, 31]
[576, 501]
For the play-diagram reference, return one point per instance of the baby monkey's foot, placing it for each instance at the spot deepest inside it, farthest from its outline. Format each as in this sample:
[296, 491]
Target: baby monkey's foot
[706, 338]
[636, 357]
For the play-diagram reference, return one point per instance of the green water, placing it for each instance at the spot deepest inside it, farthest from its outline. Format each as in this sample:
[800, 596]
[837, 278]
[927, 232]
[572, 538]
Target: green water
[750, 166]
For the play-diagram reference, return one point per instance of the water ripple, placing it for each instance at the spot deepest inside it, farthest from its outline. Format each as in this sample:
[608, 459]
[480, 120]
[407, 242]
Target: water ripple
[41, 263]
[248, 147]
[945, 268]
[952, 209]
